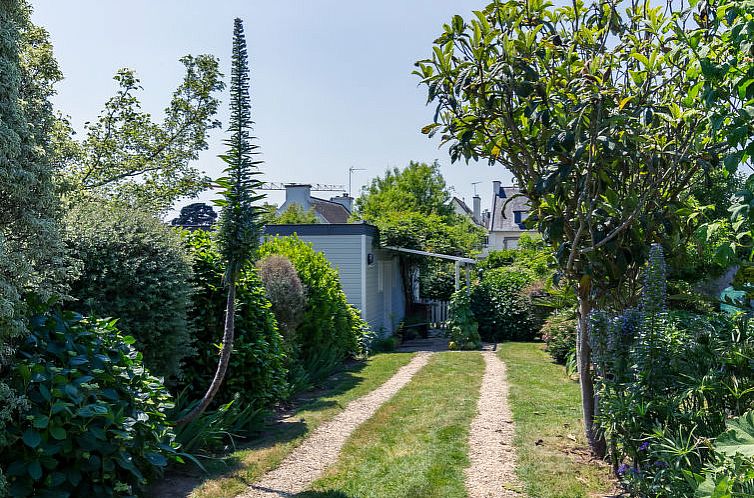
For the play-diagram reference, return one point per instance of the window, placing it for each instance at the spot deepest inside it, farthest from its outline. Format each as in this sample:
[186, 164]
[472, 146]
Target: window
[520, 216]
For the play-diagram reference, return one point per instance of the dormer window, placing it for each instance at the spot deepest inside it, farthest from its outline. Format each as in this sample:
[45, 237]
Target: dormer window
[520, 216]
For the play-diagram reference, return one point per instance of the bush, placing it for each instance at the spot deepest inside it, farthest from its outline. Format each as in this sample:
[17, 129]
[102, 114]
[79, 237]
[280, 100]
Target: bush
[502, 309]
[667, 382]
[331, 329]
[95, 423]
[284, 290]
[133, 267]
[257, 370]
[462, 326]
[559, 333]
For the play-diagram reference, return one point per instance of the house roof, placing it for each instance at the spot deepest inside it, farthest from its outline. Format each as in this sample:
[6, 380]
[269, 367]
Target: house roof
[503, 215]
[323, 229]
[463, 206]
[332, 212]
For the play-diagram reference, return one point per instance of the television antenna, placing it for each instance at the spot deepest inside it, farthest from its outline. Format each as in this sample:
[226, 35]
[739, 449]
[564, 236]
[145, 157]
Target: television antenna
[316, 187]
[474, 184]
[350, 177]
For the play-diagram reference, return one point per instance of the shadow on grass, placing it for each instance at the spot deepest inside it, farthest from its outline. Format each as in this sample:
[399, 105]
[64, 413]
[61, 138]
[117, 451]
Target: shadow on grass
[280, 428]
[323, 494]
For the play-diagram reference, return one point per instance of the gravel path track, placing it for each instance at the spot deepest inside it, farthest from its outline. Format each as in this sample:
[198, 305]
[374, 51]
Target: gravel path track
[492, 473]
[320, 450]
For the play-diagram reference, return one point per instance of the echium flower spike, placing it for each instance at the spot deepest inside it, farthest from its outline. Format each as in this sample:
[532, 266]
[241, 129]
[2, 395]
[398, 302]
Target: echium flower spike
[654, 297]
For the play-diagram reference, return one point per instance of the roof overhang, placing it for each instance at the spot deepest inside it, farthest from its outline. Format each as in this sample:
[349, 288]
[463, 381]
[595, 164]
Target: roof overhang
[457, 259]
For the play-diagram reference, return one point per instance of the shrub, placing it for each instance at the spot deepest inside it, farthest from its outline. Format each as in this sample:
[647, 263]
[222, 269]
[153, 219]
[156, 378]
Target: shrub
[95, 423]
[462, 326]
[257, 370]
[135, 268]
[559, 333]
[502, 310]
[667, 382]
[331, 329]
[284, 290]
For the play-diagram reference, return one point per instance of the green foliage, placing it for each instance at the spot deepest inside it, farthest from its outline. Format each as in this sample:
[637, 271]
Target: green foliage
[132, 267]
[295, 215]
[731, 471]
[418, 188]
[331, 329]
[30, 247]
[257, 369]
[462, 325]
[668, 380]
[383, 345]
[213, 429]
[501, 306]
[582, 123]
[129, 157]
[95, 424]
[285, 291]
[531, 256]
[411, 207]
[559, 333]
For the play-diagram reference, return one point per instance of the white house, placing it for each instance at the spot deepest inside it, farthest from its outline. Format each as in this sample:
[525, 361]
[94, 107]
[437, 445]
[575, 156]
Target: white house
[506, 223]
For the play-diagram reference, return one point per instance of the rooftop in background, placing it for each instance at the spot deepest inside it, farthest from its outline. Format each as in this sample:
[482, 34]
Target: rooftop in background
[335, 210]
[509, 209]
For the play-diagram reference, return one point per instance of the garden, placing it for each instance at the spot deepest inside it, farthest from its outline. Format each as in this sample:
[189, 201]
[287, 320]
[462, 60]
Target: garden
[199, 358]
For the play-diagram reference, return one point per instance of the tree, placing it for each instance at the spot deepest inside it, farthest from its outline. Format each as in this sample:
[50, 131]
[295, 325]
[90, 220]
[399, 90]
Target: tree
[295, 215]
[240, 220]
[411, 207]
[418, 188]
[128, 156]
[197, 214]
[581, 104]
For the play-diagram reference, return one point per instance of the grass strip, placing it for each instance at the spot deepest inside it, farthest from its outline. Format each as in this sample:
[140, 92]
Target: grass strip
[416, 443]
[280, 440]
[553, 456]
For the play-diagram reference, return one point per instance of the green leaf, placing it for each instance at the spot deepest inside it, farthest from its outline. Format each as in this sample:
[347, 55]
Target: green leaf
[58, 433]
[739, 438]
[32, 438]
[35, 470]
[41, 421]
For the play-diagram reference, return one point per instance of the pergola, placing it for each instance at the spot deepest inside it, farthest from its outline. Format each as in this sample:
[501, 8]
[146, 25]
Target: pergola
[458, 260]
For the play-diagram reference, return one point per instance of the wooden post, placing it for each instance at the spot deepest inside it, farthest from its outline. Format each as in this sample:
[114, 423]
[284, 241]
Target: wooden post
[458, 275]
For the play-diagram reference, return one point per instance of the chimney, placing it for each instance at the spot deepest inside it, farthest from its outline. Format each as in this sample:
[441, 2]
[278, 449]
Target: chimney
[344, 200]
[495, 189]
[300, 194]
[477, 209]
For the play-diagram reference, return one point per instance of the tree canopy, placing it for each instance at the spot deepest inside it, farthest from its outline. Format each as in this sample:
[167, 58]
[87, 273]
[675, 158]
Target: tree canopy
[594, 108]
[197, 214]
[128, 156]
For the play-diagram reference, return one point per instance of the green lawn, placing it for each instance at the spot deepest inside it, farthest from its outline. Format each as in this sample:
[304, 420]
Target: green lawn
[553, 460]
[416, 444]
[265, 454]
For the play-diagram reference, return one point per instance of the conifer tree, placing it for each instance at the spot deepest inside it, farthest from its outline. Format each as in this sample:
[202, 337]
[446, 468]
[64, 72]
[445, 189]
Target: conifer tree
[240, 221]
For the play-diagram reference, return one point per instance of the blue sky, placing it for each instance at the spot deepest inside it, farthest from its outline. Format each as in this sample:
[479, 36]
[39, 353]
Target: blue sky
[331, 80]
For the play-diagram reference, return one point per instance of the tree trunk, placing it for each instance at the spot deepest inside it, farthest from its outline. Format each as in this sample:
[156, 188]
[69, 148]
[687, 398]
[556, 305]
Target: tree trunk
[584, 362]
[222, 365]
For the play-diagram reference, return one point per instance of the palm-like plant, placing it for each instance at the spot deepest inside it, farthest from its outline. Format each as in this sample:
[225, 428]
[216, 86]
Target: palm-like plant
[240, 221]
